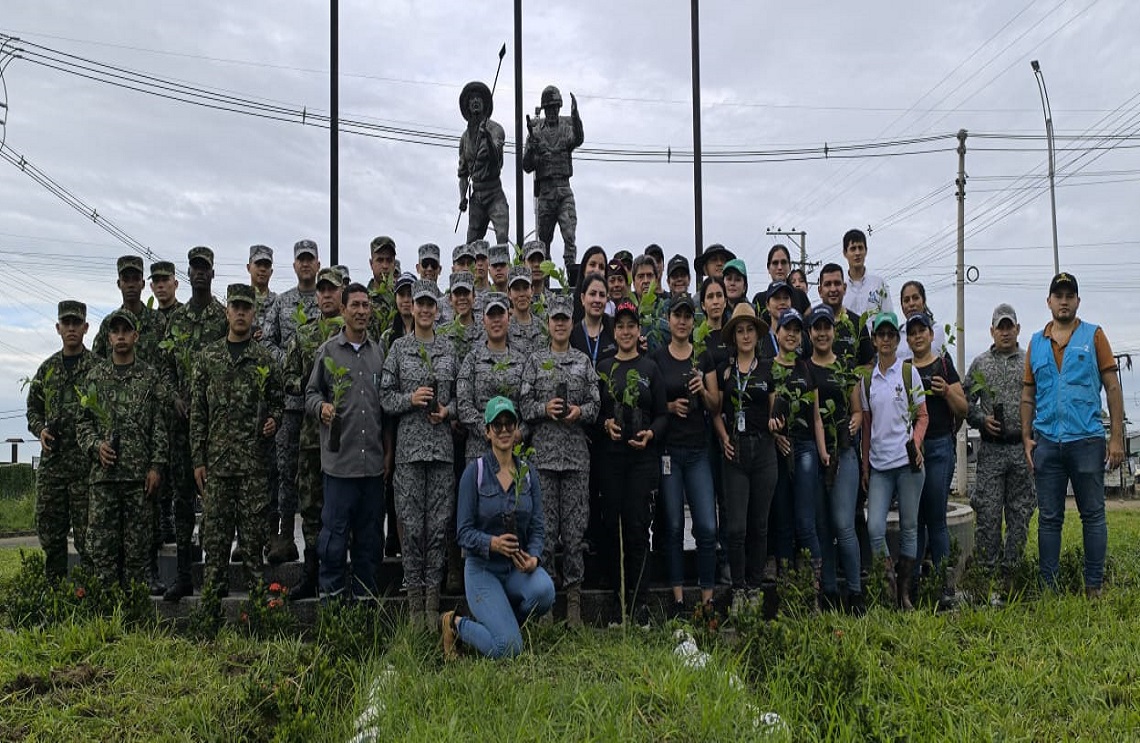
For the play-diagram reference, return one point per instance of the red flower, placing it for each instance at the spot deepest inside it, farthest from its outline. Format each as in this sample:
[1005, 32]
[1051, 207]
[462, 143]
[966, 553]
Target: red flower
[839, 633]
[275, 603]
[244, 617]
[80, 592]
[275, 588]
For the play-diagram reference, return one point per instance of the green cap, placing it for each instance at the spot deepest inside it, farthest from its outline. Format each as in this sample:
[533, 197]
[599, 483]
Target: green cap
[130, 263]
[496, 406]
[201, 252]
[72, 308]
[125, 315]
[161, 268]
[884, 318]
[331, 275]
[736, 265]
[382, 243]
[240, 293]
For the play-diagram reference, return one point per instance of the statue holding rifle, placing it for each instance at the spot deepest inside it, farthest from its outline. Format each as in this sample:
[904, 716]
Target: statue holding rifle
[480, 162]
[549, 143]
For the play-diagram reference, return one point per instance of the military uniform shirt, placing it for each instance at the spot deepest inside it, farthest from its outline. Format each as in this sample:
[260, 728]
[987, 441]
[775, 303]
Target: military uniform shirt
[136, 399]
[417, 438]
[60, 382]
[152, 329]
[559, 445]
[485, 374]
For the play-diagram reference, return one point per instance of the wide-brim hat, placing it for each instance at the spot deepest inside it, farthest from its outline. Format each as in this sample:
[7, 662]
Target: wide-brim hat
[743, 312]
[480, 89]
[714, 249]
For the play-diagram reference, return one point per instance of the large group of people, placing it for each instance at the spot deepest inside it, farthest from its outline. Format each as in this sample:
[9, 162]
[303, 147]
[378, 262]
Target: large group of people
[504, 428]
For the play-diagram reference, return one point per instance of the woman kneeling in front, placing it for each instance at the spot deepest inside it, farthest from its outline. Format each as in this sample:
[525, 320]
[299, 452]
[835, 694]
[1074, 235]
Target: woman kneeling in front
[500, 529]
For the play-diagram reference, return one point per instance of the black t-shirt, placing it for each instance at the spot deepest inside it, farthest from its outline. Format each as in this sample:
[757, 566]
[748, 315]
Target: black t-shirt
[597, 350]
[756, 384]
[941, 421]
[716, 352]
[798, 383]
[827, 389]
[650, 396]
[688, 432]
[237, 348]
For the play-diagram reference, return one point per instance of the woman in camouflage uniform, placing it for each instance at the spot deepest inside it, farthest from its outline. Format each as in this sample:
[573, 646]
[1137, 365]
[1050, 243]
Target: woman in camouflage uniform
[491, 369]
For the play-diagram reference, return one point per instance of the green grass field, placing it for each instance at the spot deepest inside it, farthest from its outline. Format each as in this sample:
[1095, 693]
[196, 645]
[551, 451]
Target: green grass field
[18, 514]
[1058, 667]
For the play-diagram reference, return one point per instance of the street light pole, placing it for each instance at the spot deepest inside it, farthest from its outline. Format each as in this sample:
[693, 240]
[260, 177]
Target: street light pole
[1052, 168]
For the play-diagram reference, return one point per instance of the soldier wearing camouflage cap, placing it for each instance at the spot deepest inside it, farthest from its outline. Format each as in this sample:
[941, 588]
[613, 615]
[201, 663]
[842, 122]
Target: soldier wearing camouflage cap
[498, 267]
[382, 261]
[122, 430]
[527, 331]
[53, 410]
[152, 323]
[559, 399]
[480, 163]
[416, 388]
[236, 403]
[550, 141]
[164, 287]
[202, 320]
[482, 252]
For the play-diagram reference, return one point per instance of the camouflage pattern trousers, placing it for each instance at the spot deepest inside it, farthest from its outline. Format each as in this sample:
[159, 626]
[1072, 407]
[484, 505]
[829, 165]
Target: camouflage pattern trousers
[566, 509]
[288, 451]
[118, 533]
[61, 506]
[1003, 487]
[554, 205]
[425, 504]
[182, 482]
[231, 503]
[310, 488]
[488, 207]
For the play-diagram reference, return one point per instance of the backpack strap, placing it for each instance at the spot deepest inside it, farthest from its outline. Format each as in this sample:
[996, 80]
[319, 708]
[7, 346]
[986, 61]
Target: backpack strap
[479, 473]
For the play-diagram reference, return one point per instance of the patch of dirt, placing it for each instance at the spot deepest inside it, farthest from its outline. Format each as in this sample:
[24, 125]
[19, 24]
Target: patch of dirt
[83, 674]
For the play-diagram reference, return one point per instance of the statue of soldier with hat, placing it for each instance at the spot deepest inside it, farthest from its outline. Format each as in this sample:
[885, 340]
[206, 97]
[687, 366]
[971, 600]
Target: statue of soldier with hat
[480, 162]
[550, 141]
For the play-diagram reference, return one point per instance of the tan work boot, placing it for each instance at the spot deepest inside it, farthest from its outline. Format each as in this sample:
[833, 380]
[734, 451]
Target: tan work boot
[447, 630]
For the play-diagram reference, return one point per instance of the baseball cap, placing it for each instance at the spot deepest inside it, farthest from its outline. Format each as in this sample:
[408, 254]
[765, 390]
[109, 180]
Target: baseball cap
[820, 312]
[404, 279]
[496, 406]
[884, 318]
[428, 251]
[345, 278]
[260, 253]
[425, 288]
[626, 307]
[130, 263]
[684, 299]
[921, 318]
[534, 247]
[777, 286]
[330, 274]
[518, 275]
[789, 316]
[1003, 312]
[496, 299]
[736, 265]
[462, 280]
[677, 263]
[382, 243]
[201, 253]
[72, 308]
[479, 248]
[125, 315]
[498, 254]
[559, 305]
[615, 268]
[303, 247]
[1063, 280]
[625, 257]
[240, 293]
[466, 250]
[161, 268]
[655, 250]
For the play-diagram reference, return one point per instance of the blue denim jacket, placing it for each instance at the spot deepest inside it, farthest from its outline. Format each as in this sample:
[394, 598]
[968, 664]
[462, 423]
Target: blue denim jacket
[482, 504]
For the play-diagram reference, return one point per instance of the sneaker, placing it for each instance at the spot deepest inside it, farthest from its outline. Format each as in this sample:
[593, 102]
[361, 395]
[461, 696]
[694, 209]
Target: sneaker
[447, 631]
[856, 606]
[640, 616]
[676, 610]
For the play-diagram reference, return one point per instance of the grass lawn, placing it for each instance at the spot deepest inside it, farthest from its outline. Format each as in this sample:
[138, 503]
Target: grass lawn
[1058, 667]
[18, 514]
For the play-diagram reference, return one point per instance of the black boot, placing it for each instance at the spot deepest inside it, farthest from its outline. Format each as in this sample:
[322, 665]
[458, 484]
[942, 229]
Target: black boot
[166, 522]
[182, 587]
[154, 580]
[308, 587]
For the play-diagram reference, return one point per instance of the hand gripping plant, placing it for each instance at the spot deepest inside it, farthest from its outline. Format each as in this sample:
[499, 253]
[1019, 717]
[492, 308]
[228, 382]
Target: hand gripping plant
[340, 387]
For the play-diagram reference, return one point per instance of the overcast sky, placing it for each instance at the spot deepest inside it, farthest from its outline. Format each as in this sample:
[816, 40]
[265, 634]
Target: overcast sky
[774, 76]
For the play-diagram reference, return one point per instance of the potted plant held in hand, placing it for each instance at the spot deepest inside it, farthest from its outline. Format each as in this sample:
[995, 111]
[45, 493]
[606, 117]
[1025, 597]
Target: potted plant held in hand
[48, 392]
[561, 391]
[631, 417]
[340, 386]
[431, 382]
[700, 345]
[519, 476]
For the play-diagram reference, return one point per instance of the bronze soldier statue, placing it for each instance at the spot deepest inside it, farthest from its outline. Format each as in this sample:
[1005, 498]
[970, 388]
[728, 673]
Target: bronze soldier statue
[480, 162]
[549, 143]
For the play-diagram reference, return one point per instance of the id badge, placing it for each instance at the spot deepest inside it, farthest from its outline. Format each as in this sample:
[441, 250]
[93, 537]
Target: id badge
[666, 465]
[740, 421]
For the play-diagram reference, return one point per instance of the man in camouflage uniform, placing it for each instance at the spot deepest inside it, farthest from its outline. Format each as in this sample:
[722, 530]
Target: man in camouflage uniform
[482, 261]
[192, 326]
[295, 307]
[380, 287]
[152, 323]
[1003, 484]
[53, 413]
[236, 400]
[526, 332]
[298, 369]
[550, 141]
[480, 163]
[491, 369]
[418, 365]
[164, 287]
[499, 267]
[123, 433]
[265, 332]
[561, 445]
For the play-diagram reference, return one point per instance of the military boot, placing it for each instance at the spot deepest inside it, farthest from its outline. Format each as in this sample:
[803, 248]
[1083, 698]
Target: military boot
[416, 608]
[183, 586]
[574, 605]
[166, 522]
[309, 585]
[906, 574]
[431, 609]
[154, 580]
[891, 586]
[284, 547]
[454, 584]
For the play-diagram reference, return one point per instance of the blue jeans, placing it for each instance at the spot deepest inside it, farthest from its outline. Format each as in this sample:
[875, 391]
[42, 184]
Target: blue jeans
[501, 599]
[1054, 466]
[352, 504]
[881, 486]
[690, 476]
[835, 522]
[806, 483]
[938, 459]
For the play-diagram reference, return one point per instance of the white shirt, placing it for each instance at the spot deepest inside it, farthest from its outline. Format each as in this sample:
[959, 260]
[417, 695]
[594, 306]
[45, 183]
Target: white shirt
[868, 293]
[890, 414]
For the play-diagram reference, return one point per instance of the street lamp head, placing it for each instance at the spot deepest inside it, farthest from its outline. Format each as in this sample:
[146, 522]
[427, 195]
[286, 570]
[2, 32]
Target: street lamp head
[1035, 65]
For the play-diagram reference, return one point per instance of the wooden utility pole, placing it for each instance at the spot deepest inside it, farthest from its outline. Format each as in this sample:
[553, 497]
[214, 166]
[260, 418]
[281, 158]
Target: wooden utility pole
[960, 469]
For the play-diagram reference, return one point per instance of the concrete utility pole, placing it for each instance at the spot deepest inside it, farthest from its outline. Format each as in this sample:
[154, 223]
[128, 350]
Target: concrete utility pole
[960, 469]
[520, 223]
[801, 244]
[698, 199]
[334, 156]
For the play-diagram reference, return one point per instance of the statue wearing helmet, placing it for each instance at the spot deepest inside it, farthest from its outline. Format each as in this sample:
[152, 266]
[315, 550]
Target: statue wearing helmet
[550, 141]
[480, 163]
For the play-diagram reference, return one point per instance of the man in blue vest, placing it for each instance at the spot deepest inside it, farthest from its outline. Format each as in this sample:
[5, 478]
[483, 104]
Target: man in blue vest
[1067, 365]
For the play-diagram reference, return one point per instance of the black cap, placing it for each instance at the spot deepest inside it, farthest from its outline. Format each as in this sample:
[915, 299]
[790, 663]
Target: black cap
[677, 263]
[1063, 280]
[684, 299]
[655, 250]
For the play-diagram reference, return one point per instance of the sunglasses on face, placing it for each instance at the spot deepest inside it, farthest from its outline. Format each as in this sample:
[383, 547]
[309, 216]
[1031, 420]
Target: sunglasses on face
[507, 426]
